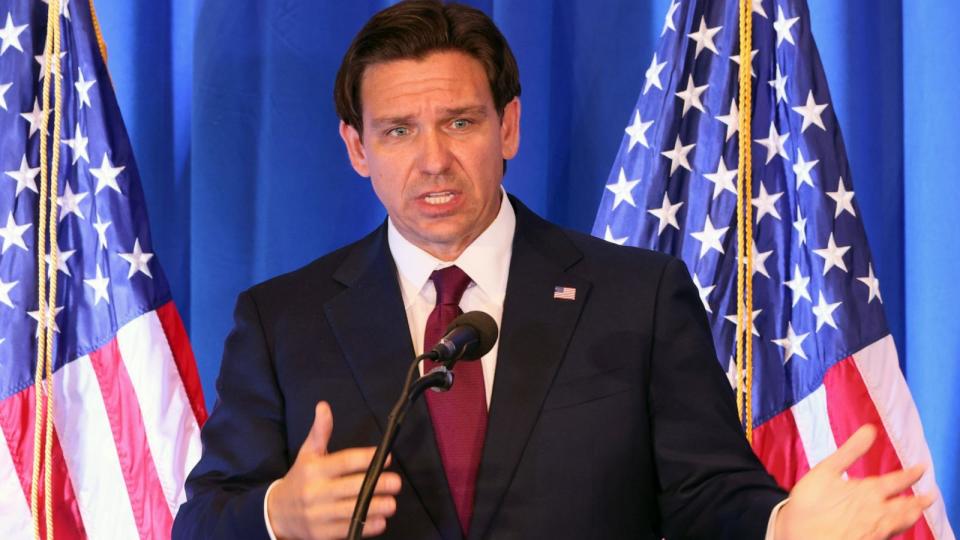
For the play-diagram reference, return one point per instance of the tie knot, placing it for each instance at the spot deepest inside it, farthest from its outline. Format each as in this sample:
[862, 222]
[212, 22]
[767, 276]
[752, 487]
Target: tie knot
[450, 283]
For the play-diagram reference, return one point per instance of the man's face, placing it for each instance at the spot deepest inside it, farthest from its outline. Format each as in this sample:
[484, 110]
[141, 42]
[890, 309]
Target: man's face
[433, 147]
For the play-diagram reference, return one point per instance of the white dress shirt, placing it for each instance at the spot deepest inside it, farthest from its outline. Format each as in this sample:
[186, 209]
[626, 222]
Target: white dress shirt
[487, 262]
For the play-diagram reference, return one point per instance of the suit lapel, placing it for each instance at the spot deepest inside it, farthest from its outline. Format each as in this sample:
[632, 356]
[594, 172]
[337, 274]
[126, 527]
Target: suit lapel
[370, 323]
[535, 330]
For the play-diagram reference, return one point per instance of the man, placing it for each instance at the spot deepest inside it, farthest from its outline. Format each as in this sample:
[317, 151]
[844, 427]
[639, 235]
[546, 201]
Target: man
[600, 413]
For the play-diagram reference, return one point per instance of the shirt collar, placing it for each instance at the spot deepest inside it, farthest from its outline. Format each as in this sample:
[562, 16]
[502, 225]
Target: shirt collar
[486, 260]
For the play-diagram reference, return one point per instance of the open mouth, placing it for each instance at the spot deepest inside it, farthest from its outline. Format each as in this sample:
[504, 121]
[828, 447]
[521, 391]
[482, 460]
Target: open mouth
[438, 198]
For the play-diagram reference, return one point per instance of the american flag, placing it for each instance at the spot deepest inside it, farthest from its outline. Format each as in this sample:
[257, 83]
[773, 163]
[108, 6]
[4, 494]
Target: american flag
[824, 360]
[127, 399]
[564, 293]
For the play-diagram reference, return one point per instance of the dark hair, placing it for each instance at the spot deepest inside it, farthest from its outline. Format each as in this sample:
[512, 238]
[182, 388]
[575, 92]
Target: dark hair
[412, 30]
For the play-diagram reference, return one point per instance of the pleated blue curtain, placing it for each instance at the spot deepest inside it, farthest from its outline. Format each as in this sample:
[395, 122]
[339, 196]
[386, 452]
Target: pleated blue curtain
[230, 111]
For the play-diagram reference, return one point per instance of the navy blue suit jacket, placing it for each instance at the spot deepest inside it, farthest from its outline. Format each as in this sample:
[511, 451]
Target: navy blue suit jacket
[610, 416]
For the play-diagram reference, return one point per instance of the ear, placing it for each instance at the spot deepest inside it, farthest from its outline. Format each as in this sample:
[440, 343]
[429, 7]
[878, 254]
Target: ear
[510, 129]
[358, 156]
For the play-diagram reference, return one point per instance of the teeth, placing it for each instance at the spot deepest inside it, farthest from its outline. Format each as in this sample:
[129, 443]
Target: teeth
[439, 198]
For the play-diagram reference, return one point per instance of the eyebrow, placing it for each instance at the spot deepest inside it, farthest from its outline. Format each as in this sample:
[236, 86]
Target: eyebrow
[474, 110]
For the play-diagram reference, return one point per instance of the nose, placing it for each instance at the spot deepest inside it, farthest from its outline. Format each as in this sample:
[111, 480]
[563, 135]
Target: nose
[434, 153]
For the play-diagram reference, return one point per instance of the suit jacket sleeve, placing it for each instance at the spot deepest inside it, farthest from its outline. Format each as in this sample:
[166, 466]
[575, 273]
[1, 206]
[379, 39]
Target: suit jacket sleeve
[244, 440]
[711, 483]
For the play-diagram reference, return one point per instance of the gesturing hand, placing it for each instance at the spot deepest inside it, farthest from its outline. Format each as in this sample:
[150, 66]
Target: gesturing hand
[316, 498]
[826, 505]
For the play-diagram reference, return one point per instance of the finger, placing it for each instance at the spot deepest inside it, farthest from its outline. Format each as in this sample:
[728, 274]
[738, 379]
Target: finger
[374, 526]
[380, 506]
[347, 487]
[321, 429]
[339, 529]
[900, 513]
[344, 462]
[896, 482]
[852, 450]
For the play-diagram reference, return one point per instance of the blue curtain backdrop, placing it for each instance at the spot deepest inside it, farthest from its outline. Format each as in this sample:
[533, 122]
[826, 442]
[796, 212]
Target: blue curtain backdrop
[230, 110]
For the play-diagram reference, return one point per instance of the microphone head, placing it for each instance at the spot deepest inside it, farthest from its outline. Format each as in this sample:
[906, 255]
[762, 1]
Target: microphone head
[486, 330]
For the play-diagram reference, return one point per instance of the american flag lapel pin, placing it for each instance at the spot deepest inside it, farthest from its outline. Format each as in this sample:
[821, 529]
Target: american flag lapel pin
[564, 293]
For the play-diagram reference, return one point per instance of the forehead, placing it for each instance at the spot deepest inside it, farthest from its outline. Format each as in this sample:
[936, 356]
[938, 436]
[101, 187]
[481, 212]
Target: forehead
[440, 78]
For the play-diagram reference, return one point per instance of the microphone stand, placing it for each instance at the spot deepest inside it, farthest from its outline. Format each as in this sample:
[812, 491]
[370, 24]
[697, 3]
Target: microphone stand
[440, 379]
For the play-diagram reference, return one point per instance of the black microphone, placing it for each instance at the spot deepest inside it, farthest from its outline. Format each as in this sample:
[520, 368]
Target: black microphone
[468, 337]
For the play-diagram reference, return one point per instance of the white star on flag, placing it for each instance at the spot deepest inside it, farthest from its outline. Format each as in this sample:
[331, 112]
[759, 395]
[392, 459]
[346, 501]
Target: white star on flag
[35, 117]
[678, 156]
[667, 214]
[832, 255]
[43, 72]
[780, 85]
[824, 312]
[704, 37]
[758, 8]
[608, 236]
[62, 258]
[709, 237]
[83, 88]
[801, 226]
[798, 285]
[774, 143]
[5, 287]
[753, 322]
[78, 144]
[138, 260]
[668, 20]
[638, 131]
[10, 35]
[70, 202]
[759, 260]
[731, 120]
[812, 113]
[12, 234]
[792, 344]
[3, 93]
[623, 190]
[25, 177]
[844, 200]
[652, 75]
[722, 179]
[704, 291]
[766, 203]
[99, 285]
[872, 283]
[802, 169]
[106, 175]
[51, 319]
[782, 26]
[732, 374]
[691, 96]
[101, 227]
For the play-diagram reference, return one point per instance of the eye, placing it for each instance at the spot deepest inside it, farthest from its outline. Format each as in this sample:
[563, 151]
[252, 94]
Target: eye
[461, 123]
[399, 131]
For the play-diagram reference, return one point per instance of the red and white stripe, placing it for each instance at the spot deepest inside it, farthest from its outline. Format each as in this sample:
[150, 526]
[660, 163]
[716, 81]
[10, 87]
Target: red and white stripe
[867, 387]
[127, 423]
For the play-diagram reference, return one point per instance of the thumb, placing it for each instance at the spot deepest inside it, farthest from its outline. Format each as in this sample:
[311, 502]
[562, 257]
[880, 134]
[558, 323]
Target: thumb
[852, 450]
[321, 429]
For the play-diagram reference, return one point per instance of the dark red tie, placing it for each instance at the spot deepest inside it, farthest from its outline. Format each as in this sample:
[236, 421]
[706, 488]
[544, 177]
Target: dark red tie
[459, 415]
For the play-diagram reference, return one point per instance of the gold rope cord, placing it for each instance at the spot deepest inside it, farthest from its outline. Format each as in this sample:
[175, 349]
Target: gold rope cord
[744, 344]
[46, 298]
